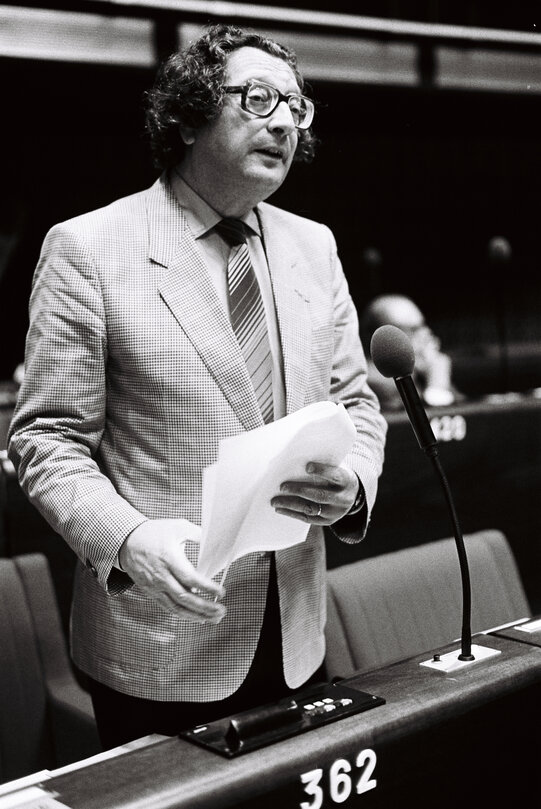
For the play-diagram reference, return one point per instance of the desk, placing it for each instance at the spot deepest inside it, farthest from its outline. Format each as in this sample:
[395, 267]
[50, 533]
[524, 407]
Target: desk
[432, 728]
[491, 454]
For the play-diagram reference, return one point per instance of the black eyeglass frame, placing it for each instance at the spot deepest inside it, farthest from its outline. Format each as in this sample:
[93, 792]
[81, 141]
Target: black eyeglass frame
[244, 89]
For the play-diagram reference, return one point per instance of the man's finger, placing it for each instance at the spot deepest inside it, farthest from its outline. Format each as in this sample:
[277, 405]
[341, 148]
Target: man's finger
[317, 494]
[210, 610]
[185, 574]
[193, 581]
[336, 475]
[189, 606]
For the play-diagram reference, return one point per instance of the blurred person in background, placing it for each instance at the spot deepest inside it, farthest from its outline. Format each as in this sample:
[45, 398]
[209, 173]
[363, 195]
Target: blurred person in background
[433, 368]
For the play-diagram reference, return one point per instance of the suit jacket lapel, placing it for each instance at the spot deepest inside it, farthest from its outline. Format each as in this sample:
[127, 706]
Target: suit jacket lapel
[188, 291]
[290, 282]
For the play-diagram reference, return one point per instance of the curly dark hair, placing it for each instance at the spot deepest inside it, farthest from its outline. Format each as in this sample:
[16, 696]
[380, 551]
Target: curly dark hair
[189, 90]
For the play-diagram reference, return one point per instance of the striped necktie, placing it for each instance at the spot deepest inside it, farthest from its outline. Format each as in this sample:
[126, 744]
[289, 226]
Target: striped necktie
[248, 314]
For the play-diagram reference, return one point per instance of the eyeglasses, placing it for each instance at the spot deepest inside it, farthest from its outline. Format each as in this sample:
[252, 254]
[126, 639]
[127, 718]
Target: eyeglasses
[261, 99]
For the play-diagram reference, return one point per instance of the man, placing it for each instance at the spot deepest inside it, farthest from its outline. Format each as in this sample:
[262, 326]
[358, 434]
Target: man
[433, 368]
[134, 373]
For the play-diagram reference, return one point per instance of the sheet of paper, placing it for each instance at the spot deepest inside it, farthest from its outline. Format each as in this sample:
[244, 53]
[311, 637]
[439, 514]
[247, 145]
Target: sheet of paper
[237, 515]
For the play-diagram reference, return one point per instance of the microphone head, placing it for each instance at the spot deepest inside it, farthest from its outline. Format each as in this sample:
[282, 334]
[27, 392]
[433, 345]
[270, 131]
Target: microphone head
[392, 352]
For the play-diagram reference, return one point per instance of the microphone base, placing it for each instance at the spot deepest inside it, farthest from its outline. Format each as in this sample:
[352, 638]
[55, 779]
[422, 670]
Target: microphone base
[450, 662]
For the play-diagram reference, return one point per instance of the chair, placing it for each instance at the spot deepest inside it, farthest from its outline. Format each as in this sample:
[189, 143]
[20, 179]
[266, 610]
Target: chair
[46, 718]
[404, 603]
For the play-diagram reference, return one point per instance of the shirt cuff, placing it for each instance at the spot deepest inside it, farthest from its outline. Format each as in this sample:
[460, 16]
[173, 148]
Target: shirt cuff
[360, 500]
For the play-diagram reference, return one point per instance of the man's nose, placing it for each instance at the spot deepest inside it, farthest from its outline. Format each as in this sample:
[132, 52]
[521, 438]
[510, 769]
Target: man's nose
[282, 119]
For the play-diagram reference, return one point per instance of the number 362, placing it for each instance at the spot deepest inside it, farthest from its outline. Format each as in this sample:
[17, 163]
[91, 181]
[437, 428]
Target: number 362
[340, 780]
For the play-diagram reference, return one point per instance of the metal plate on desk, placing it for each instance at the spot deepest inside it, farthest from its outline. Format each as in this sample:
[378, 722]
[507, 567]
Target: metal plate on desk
[251, 730]
[524, 632]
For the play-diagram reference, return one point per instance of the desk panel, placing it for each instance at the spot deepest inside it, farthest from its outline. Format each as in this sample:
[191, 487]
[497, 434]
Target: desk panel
[431, 726]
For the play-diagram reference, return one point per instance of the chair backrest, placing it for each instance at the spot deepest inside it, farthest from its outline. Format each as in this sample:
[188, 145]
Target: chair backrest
[46, 718]
[26, 743]
[400, 604]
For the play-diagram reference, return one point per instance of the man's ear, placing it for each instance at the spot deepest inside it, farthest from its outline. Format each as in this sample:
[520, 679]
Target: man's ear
[187, 133]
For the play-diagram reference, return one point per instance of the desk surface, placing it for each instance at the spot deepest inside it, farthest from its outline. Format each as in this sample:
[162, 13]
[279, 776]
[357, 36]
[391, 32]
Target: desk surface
[175, 773]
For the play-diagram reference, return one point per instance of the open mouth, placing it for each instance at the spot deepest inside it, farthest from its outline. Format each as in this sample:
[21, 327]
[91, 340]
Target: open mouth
[275, 154]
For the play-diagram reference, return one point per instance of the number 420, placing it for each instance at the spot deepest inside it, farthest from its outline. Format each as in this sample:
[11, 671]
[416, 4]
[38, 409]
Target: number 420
[340, 780]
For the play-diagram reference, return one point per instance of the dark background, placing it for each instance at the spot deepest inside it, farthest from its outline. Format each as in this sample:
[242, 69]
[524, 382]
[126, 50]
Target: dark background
[425, 177]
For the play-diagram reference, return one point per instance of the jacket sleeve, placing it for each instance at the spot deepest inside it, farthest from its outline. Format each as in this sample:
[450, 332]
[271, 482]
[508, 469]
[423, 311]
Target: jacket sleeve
[60, 414]
[349, 386]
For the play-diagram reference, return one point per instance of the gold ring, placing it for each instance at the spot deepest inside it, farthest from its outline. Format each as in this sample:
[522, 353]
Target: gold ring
[319, 511]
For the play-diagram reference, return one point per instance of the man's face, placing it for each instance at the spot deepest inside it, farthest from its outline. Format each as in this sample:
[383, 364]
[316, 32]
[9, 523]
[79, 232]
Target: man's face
[240, 159]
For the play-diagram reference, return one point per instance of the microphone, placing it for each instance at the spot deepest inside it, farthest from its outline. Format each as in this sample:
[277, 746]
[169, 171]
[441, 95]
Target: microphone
[393, 356]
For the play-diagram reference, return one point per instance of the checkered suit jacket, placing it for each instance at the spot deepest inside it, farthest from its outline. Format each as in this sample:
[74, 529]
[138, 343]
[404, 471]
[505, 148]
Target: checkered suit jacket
[133, 375]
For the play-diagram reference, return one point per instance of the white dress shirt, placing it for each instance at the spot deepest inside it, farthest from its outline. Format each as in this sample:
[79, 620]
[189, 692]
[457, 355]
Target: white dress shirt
[215, 252]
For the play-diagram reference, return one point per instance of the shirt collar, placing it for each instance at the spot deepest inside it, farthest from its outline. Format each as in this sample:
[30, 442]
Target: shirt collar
[200, 215]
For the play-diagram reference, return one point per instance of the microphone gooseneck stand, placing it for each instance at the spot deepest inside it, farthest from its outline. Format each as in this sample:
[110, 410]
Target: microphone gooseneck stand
[427, 442]
[466, 653]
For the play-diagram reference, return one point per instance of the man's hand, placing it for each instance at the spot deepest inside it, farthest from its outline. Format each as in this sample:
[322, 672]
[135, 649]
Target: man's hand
[323, 499]
[154, 558]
